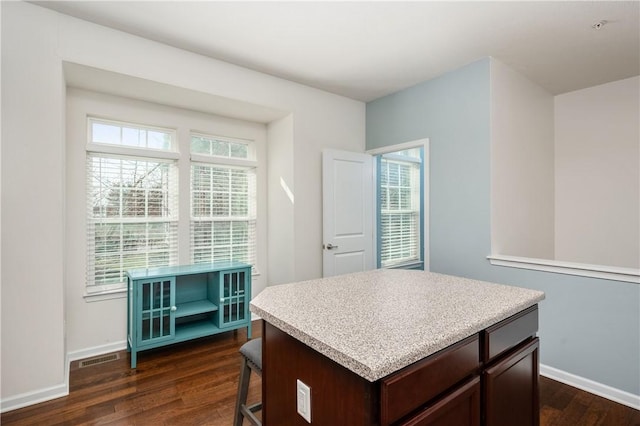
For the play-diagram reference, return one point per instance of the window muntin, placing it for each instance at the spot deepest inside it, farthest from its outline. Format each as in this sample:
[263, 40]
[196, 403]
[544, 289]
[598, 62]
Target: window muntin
[132, 216]
[116, 133]
[399, 207]
[215, 146]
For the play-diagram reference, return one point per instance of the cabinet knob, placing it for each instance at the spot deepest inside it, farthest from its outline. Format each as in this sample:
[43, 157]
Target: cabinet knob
[173, 309]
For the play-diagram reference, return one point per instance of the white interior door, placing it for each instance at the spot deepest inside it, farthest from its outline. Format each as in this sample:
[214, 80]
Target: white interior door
[347, 212]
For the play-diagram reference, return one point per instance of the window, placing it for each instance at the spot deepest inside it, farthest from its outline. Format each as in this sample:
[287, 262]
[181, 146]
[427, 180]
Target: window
[219, 147]
[132, 217]
[111, 133]
[399, 208]
[223, 201]
[134, 203]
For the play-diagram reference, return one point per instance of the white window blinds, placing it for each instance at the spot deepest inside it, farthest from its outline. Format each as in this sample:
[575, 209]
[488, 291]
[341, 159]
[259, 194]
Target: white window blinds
[399, 210]
[223, 203]
[132, 203]
[132, 216]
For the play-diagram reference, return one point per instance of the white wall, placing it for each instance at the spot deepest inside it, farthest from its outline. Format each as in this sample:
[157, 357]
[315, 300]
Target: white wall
[522, 168]
[33, 238]
[565, 171]
[281, 200]
[597, 162]
[338, 133]
[35, 43]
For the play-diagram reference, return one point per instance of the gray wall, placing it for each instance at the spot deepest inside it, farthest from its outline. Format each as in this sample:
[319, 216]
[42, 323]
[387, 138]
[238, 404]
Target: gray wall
[588, 327]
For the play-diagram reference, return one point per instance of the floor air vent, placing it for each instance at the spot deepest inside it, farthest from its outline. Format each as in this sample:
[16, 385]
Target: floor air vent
[98, 360]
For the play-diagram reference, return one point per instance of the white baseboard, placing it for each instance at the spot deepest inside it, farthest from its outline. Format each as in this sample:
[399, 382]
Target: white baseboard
[96, 350]
[613, 394]
[34, 397]
[53, 392]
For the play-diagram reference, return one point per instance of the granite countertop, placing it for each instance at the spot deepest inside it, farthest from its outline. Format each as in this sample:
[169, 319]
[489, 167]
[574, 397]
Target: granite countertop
[377, 322]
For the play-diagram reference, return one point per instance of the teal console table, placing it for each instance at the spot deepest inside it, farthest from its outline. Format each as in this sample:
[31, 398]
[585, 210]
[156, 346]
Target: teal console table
[176, 303]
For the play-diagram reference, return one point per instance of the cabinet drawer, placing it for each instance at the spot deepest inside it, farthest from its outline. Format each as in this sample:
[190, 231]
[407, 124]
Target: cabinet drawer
[460, 407]
[415, 385]
[506, 334]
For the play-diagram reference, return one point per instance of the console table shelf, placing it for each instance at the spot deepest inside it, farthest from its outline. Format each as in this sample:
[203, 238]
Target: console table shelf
[172, 304]
[194, 308]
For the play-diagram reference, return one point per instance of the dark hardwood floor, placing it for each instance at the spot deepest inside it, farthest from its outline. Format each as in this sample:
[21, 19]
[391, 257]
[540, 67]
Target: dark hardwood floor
[562, 405]
[195, 383]
[191, 383]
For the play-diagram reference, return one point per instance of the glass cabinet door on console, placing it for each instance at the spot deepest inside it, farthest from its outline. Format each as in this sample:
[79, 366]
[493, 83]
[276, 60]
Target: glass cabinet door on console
[156, 300]
[233, 300]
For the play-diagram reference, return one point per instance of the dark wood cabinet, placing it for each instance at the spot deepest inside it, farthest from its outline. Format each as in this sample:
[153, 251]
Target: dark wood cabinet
[338, 396]
[511, 390]
[489, 379]
[510, 371]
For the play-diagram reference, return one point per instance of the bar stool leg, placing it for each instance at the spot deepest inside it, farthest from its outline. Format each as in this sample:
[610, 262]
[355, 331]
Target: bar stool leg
[243, 390]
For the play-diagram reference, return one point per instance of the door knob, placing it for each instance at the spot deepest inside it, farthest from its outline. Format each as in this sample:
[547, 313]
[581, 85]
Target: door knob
[331, 246]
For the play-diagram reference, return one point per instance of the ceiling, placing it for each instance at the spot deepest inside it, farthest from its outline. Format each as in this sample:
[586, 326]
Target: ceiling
[365, 50]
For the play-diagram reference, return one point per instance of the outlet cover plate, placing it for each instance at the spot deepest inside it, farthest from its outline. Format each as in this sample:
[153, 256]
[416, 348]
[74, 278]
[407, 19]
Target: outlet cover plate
[303, 397]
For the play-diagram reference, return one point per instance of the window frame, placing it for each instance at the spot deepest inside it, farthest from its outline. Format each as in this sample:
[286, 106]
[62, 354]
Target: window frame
[96, 292]
[95, 149]
[249, 163]
[424, 202]
[414, 212]
[168, 154]
[169, 201]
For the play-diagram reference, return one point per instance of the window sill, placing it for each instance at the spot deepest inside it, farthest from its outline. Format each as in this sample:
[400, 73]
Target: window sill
[414, 264]
[630, 275]
[97, 295]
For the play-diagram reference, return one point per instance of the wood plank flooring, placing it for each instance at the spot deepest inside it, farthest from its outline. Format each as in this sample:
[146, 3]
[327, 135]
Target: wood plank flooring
[562, 405]
[191, 383]
[195, 383]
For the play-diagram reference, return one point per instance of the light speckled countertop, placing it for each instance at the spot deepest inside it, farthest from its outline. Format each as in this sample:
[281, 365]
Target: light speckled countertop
[377, 322]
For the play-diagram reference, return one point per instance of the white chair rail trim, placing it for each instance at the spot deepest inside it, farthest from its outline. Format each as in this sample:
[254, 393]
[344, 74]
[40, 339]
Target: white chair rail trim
[631, 275]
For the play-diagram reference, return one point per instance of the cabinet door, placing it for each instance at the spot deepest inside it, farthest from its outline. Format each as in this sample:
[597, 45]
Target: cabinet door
[511, 388]
[235, 291]
[461, 407]
[155, 305]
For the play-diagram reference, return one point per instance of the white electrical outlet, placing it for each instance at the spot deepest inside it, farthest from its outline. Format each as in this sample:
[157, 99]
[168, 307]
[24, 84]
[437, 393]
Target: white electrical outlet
[303, 396]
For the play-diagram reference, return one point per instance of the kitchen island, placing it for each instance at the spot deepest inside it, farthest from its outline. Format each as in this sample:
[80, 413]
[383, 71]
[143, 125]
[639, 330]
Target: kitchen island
[399, 347]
